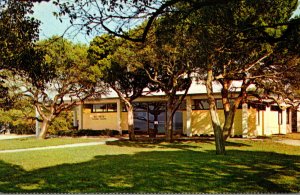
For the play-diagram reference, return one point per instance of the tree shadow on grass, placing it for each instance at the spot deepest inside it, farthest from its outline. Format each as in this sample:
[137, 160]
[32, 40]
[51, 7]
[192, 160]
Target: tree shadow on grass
[181, 144]
[153, 144]
[161, 171]
[235, 144]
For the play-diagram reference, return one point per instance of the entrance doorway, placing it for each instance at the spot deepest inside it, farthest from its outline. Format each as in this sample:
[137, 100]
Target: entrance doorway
[157, 117]
[151, 116]
[294, 120]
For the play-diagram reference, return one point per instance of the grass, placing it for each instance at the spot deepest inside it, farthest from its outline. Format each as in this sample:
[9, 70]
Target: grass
[33, 142]
[249, 166]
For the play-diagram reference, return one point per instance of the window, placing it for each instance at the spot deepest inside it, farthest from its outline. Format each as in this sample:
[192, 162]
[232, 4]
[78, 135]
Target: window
[201, 105]
[261, 107]
[140, 106]
[123, 107]
[219, 104]
[152, 115]
[99, 108]
[111, 107]
[157, 106]
[258, 106]
[275, 108]
[140, 121]
[104, 108]
[177, 121]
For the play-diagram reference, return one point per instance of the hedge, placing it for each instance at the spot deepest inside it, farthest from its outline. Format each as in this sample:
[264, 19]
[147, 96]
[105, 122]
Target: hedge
[88, 132]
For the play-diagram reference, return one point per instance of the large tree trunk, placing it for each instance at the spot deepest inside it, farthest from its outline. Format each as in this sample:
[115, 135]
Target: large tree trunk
[129, 108]
[218, 133]
[44, 129]
[229, 118]
[169, 123]
[229, 110]
[228, 124]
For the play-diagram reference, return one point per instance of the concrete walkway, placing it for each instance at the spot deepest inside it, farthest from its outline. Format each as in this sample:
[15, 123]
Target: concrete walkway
[289, 142]
[14, 136]
[60, 146]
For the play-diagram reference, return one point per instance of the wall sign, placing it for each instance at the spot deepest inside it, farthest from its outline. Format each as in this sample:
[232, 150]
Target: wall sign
[98, 117]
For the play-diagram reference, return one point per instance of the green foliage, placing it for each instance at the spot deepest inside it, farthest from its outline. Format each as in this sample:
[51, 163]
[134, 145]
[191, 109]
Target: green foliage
[70, 80]
[116, 62]
[68, 60]
[61, 123]
[19, 118]
[256, 42]
[18, 34]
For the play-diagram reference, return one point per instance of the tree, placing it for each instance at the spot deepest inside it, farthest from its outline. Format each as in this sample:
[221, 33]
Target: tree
[18, 33]
[264, 31]
[169, 57]
[19, 116]
[113, 58]
[238, 46]
[117, 17]
[245, 41]
[72, 80]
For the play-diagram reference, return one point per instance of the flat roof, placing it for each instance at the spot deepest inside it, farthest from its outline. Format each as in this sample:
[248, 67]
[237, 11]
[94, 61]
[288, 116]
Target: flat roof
[197, 87]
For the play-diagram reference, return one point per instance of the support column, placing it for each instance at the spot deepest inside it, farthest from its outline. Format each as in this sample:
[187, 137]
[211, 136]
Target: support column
[269, 121]
[263, 123]
[75, 120]
[258, 125]
[80, 110]
[119, 116]
[188, 116]
[37, 125]
[283, 125]
[245, 119]
[298, 120]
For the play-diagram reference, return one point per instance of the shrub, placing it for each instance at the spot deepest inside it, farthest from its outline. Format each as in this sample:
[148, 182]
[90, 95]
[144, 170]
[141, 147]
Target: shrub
[69, 133]
[61, 123]
[88, 132]
[23, 129]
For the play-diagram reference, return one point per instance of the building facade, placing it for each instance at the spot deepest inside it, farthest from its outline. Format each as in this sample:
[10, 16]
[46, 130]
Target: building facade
[253, 118]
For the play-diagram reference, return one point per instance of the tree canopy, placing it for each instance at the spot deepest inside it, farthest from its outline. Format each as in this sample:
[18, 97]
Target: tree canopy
[113, 58]
[254, 42]
[72, 80]
[18, 36]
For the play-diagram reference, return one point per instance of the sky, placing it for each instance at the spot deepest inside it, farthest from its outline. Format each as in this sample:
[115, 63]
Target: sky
[50, 25]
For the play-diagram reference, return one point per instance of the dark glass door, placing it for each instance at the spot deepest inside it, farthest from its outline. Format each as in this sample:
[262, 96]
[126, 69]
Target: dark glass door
[157, 116]
[151, 117]
[140, 117]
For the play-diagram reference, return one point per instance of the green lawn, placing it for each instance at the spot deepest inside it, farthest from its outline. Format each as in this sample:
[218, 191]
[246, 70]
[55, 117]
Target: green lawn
[33, 142]
[249, 166]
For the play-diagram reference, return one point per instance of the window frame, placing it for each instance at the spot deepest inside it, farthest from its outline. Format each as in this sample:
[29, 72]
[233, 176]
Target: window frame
[104, 110]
